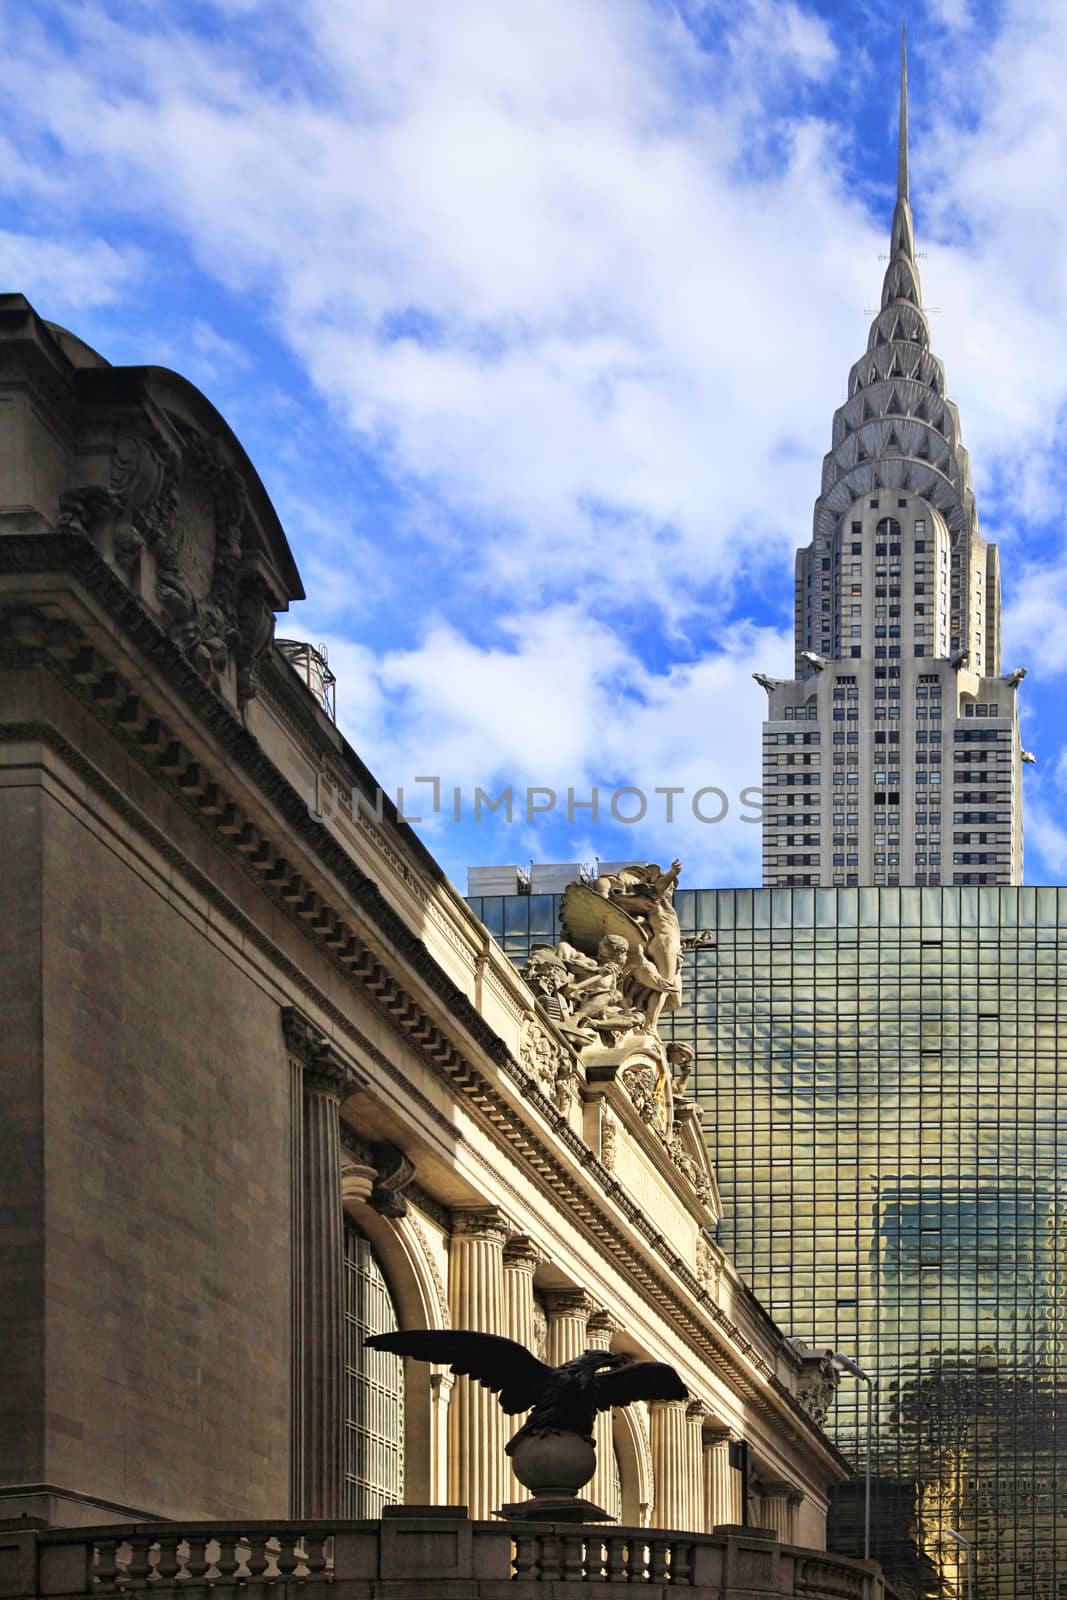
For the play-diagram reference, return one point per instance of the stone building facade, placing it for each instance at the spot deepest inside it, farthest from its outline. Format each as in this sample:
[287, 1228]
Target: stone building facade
[269, 1084]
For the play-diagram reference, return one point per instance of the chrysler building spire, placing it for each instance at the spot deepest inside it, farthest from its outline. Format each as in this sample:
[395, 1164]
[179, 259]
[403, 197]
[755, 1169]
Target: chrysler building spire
[902, 136]
[897, 634]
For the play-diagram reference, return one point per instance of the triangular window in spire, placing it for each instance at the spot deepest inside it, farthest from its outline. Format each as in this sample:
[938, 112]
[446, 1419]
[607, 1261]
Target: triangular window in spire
[880, 337]
[869, 412]
[893, 445]
[894, 408]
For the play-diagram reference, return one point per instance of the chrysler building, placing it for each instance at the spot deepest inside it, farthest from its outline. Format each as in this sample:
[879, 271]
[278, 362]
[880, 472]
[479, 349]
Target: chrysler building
[893, 755]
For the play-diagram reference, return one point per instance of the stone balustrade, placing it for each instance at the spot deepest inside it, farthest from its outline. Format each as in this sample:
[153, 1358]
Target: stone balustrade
[422, 1554]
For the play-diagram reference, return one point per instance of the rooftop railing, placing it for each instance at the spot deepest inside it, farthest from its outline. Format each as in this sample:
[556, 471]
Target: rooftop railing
[420, 1554]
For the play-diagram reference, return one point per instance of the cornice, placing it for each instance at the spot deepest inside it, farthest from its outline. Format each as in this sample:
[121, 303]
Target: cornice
[58, 645]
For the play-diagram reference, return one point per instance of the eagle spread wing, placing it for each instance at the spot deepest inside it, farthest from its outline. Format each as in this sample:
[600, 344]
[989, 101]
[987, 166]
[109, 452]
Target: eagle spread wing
[639, 1380]
[503, 1365]
[587, 916]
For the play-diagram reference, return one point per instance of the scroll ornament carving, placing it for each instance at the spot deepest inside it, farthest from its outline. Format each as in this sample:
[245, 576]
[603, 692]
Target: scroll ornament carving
[187, 507]
[708, 1266]
[817, 1383]
[609, 1133]
[394, 1172]
[689, 1169]
[544, 1059]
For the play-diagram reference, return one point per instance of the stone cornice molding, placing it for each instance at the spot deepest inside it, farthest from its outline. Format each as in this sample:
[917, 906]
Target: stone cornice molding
[46, 639]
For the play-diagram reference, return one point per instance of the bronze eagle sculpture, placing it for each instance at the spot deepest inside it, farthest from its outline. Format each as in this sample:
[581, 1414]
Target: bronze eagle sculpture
[563, 1399]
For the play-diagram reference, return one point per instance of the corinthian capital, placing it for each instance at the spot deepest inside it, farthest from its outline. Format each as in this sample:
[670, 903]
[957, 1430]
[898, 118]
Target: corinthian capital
[569, 1303]
[484, 1223]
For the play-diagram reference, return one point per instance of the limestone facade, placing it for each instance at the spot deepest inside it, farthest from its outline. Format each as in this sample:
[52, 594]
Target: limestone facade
[241, 1003]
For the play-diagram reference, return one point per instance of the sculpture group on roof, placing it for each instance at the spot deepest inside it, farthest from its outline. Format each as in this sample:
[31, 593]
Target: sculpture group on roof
[619, 966]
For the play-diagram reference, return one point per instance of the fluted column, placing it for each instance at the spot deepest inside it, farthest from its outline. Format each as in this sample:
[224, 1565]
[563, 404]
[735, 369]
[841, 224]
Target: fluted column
[521, 1257]
[599, 1332]
[695, 1414]
[476, 1475]
[441, 1384]
[777, 1503]
[568, 1311]
[722, 1485]
[667, 1429]
[325, 1081]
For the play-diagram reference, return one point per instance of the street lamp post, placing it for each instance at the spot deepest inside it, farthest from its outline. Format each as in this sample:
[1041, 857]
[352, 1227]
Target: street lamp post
[969, 1548]
[854, 1370]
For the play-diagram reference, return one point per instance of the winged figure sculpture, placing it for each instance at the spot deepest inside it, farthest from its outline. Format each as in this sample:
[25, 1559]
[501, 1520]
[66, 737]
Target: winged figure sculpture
[635, 905]
[563, 1399]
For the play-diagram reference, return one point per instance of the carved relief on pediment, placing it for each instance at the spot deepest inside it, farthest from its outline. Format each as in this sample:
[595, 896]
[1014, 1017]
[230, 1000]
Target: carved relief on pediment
[172, 521]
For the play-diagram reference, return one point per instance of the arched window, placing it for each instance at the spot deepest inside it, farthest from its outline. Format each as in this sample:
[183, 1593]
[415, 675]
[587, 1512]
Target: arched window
[374, 1387]
[888, 528]
[614, 1505]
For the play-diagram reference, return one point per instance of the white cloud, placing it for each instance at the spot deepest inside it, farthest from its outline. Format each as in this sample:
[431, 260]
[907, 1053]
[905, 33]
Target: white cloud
[585, 278]
[64, 273]
[559, 704]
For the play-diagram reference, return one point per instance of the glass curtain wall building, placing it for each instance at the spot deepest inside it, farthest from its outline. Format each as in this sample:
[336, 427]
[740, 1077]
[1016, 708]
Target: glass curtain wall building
[880, 1074]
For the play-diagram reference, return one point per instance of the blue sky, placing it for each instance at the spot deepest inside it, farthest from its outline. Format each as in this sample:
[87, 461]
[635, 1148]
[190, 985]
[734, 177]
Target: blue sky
[533, 315]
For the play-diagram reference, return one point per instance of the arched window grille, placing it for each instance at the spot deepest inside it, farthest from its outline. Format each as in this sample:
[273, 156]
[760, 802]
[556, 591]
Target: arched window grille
[888, 528]
[374, 1387]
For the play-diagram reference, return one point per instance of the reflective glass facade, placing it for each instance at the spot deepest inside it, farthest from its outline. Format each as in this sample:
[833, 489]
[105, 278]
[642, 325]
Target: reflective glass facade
[880, 1072]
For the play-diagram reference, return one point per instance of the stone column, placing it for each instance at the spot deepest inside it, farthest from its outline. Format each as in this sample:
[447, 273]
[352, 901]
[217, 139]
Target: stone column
[325, 1083]
[776, 1509]
[521, 1257]
[599, 1332]
[568, 1312]
[476, 1476]
[722, 1487]
[667, 1429]
[695, 1414]
[440, 1394]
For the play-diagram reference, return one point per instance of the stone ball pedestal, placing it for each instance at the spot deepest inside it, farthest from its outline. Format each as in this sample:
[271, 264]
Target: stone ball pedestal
[554, 1466]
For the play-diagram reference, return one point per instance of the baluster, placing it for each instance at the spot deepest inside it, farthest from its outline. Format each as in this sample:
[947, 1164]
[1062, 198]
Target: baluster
[106, 1564]
[617, 1568]
[227, 1561]
[139, 1565]
[637, 1561]
[197, 1559]
[551, 1565]
[524, 1562]
[257, 1560]
[315, 1556]
[596, 1556]
[167, 1562]
[287, 1558]
[658, 1567]
[573, 1553]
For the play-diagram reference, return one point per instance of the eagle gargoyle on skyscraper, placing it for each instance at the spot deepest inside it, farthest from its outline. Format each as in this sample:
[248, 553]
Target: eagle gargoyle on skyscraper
[563, 1399]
